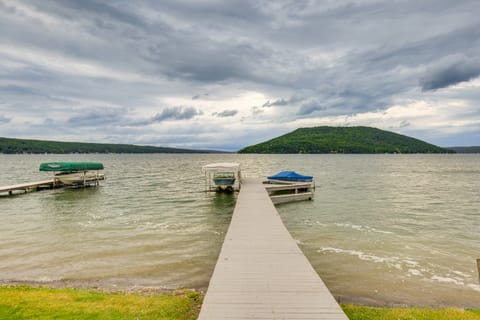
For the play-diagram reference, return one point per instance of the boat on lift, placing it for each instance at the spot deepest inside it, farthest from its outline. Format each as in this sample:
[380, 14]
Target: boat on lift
[75, 173]
[222, 177]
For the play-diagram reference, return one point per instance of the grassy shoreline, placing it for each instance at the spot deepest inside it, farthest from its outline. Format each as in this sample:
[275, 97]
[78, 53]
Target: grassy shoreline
[24, 302]
[357, 312]
[33, 302]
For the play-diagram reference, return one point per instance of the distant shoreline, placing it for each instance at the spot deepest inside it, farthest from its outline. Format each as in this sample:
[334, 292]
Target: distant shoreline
[28, 146]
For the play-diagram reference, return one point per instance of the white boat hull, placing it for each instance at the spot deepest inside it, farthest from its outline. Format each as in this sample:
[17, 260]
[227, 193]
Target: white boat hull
[79, 178]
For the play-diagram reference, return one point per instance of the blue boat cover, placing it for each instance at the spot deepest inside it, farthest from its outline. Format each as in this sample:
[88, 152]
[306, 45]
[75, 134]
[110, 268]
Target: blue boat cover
[291, 176]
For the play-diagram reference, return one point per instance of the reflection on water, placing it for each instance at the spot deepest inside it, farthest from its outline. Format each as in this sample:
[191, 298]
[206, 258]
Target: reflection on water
[382, 228]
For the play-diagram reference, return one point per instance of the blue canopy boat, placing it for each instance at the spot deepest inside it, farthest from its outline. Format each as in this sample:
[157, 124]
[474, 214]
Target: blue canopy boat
[290, 176]
[288, 186]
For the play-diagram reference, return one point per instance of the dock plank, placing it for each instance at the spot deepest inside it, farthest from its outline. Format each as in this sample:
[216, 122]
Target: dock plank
[261, 273]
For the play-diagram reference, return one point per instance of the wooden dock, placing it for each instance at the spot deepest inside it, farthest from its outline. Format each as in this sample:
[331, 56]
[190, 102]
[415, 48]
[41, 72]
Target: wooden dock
[261, 273]
[49, 184]
[29, 186]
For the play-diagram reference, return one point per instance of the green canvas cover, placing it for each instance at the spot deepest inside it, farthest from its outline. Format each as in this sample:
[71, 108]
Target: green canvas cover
[70, 166]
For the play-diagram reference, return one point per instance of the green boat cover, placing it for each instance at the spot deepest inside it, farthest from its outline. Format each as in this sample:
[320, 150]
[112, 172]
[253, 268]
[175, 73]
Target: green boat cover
[70, 166]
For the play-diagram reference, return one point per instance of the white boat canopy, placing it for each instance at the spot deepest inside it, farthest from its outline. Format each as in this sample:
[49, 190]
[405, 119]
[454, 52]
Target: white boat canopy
[221, 167]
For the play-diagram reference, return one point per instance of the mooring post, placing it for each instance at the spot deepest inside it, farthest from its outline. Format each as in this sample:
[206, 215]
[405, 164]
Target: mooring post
[478, 269]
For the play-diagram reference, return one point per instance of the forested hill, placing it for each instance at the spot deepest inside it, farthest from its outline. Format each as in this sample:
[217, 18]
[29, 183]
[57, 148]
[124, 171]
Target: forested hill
[343, 140]
[9, 145]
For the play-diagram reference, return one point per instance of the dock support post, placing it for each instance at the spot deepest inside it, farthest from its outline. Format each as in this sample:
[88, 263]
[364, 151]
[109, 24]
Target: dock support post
[478, 269]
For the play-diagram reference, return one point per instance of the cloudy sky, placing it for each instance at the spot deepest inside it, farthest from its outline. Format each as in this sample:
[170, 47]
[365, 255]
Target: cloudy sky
[213, 74]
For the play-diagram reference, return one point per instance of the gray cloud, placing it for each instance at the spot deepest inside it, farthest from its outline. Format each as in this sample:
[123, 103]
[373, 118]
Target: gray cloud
[280, 102]
[305, 59]
[169, 113]
[309, 108]
[18, 90]
[4, 119]
[225, 113]
[198, 96]
[95, 118]
[450, 71]
[176, 113]
[109, 11]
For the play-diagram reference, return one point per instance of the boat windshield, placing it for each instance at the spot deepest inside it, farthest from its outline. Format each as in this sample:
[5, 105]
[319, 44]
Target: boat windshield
[224, 175]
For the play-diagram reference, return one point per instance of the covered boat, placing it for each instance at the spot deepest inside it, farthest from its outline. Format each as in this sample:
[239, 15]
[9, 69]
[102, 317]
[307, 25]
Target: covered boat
[289, 186]
[75, 173]
[224, 176]
[290, 176]
[70, 166]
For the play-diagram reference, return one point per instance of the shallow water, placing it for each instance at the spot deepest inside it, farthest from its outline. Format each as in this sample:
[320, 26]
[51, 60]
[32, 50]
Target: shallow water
[382, 229]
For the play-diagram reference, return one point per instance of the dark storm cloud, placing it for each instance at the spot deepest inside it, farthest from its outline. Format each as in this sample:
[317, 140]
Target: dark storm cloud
[451, 71]
[215, 62]
[305, 59]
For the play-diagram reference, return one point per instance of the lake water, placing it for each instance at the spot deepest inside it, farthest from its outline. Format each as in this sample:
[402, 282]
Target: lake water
[382, 229]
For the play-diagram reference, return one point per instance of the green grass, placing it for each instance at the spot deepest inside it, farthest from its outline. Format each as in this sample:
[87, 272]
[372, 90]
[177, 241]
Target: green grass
[355, 312]
[22, 302]
[44, 303]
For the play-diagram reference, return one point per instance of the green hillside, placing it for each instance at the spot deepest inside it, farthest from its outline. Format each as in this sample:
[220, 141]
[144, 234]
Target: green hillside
[343, 140]
[12, 146]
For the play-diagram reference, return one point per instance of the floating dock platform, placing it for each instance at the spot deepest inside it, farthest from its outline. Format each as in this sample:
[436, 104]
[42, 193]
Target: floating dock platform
[261, 273]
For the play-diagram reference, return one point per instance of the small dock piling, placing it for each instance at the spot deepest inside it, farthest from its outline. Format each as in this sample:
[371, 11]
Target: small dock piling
[478, 269]
[261, 273]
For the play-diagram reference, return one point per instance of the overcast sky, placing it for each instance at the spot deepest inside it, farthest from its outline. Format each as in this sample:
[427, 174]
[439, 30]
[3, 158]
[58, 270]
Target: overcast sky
[222, 75]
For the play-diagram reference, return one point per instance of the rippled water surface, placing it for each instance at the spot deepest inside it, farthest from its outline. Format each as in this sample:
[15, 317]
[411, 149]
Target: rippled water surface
[394, 229]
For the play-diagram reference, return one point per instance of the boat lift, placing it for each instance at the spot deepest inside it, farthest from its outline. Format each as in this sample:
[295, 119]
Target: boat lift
[222, 177]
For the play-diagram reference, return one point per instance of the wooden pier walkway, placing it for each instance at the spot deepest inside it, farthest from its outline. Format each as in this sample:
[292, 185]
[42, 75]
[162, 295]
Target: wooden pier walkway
[26, 187]
[261, 273]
